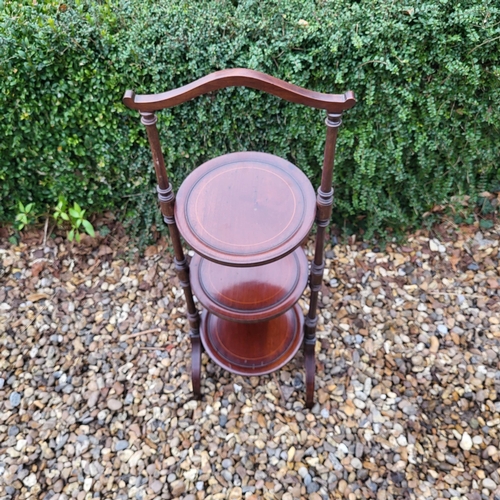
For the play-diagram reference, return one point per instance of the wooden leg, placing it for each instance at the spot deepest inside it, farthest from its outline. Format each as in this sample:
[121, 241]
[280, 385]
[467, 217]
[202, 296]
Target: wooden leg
[194, 325]
[323, 216]
[310, 360]
[310, 323]
[196, 350]
[167, 202]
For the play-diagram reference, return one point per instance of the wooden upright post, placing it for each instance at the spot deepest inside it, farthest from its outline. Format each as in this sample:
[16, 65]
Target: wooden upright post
[167, 203]
[324, 203]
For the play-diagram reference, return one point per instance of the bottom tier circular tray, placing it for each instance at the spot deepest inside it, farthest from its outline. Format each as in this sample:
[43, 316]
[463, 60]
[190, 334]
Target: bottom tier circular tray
[253, 348]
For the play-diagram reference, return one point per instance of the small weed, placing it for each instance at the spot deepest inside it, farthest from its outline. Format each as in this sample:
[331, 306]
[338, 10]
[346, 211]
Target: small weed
[75, 216]
[25, 215]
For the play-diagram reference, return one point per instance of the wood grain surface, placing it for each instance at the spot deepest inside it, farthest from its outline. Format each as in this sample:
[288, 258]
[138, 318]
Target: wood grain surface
[249, 294]
[253, 348]
[240, 77]
[245, 209]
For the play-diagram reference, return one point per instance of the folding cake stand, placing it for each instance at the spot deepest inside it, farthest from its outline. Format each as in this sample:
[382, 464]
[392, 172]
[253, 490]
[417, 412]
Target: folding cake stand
[245, 215]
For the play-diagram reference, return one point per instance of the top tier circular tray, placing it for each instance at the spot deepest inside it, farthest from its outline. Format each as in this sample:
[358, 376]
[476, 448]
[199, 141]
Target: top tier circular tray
[245, 209]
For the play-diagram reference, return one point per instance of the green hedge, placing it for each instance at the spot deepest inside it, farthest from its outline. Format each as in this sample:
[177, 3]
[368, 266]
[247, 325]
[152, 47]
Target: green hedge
[427, 78]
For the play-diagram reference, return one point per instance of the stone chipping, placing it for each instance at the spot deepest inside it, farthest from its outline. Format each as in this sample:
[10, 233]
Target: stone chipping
[95, 391]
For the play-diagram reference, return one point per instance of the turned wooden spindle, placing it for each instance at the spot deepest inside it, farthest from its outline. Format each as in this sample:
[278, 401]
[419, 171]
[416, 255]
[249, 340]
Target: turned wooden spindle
[167, 202]
[324, 204]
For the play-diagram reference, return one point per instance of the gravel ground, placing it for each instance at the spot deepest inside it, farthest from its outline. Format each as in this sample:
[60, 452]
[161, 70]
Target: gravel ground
[407, 384]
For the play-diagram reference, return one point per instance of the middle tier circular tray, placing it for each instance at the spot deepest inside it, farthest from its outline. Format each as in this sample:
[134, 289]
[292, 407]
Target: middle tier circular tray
[253, 348]
[245, 209]
[249, 294]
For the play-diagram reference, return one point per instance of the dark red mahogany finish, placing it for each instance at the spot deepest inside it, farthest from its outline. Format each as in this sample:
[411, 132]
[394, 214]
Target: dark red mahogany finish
[245, 210]
[250, 294]
[253, 348]
[240, 77]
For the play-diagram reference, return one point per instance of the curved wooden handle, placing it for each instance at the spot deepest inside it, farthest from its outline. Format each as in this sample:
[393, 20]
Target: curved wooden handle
[240, 77]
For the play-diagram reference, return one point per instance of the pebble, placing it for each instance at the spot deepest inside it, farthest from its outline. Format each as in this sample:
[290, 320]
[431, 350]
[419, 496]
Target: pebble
[13, 430]
[125, 455]
[466, 442]
[30, 480]
[408, 408]
[434, 245]
[92, 401]
[442, 329]
[303, 472]
[342, 448]
[260, 444]
[235, 494]
[15, 399]
[312, 487]
[477, 440]
[134, 459]
[489, 484]
[359, 404]
[156, 486]
[491, 451]
[121, 445]
[434, 344]
[87, 484]
[177, 487]
[114, 404]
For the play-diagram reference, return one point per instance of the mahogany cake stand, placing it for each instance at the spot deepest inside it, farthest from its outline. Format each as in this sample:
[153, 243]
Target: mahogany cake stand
[245, 215]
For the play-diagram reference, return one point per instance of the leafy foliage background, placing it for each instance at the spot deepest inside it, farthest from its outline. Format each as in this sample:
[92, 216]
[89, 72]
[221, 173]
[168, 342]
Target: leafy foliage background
[426, 74]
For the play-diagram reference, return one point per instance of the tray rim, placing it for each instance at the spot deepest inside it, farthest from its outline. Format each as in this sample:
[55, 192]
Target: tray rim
[243, 316]
[270, 367]
[279, 250]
